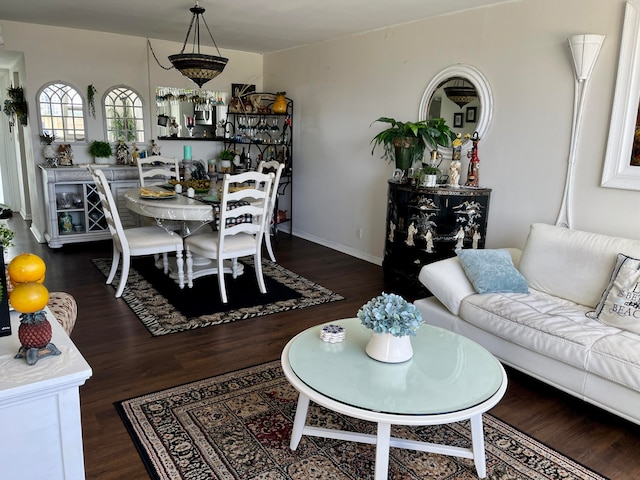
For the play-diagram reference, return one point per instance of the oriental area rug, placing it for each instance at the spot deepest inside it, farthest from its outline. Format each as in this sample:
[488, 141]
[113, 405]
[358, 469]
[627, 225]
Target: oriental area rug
[237, 426]
[164, 308]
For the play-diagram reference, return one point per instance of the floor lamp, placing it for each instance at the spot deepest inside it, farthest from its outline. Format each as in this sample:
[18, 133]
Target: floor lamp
[585, 50]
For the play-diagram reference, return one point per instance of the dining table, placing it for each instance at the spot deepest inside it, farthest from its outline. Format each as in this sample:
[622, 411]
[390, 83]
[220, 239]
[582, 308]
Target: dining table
[177, 212]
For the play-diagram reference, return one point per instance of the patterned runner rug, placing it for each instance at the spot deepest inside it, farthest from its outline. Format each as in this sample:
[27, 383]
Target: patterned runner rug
[164, 308]
[237, 426]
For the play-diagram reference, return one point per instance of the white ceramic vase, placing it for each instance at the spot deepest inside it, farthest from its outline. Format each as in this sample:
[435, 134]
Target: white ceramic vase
[49, 152]
[384, 347]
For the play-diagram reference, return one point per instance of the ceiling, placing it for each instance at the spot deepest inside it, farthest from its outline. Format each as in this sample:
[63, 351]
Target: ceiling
[259, 26]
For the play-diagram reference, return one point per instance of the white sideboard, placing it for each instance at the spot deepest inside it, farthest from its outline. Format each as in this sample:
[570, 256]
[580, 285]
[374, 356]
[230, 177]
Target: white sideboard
[83, 205]
[40, 409]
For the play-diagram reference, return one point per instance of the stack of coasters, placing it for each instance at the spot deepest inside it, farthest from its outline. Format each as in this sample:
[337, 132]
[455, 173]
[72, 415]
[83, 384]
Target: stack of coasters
[332, 334]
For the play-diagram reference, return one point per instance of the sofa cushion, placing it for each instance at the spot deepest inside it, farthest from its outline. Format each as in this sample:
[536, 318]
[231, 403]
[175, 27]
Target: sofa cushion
[446, 280]
[619, 305]
[543, 323]
[492, 271]
[572, 264]
[617, 358]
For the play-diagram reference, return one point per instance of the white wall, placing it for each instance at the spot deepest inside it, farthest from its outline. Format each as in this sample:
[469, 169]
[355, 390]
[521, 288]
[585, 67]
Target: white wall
[341, 86]
[81, 58]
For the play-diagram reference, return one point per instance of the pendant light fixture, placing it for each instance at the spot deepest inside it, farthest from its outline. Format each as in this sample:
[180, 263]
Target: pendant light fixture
[196, 66]
[460, 92]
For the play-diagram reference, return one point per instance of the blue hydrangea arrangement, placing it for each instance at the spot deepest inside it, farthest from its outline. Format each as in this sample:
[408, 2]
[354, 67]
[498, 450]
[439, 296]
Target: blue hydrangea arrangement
[390, 313]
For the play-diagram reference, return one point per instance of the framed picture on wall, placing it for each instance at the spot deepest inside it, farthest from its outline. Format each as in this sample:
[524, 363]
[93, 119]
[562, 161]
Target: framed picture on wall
[238, 89]
[457, 120]
[471, 114]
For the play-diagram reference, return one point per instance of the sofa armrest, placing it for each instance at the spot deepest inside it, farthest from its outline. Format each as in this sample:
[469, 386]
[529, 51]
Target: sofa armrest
[446, 280]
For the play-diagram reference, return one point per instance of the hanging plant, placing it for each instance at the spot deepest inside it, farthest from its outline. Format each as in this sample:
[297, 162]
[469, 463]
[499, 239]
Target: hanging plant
[91, 92]
[16, 105]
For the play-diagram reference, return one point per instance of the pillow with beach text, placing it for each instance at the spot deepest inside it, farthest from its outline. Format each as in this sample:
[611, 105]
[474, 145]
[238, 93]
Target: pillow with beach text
[620, 303]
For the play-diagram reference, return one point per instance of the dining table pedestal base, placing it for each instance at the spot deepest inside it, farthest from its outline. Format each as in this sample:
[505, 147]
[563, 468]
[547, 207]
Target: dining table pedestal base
[203, 267]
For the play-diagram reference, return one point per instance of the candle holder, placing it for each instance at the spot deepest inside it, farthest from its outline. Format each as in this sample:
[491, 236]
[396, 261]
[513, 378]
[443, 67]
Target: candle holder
[190, 124]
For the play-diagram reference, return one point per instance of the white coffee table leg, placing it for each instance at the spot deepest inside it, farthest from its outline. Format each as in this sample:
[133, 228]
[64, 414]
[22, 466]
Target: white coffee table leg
[477, 441]
[382, 451]
[299, 421]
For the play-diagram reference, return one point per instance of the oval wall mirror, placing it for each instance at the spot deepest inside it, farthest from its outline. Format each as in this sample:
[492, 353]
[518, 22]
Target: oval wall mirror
[462, 96]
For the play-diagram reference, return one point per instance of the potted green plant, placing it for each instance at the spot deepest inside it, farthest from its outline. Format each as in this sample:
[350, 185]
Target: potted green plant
[406, 141]
[429, 175]
[226, 156]
[16, 105]
[99, 149]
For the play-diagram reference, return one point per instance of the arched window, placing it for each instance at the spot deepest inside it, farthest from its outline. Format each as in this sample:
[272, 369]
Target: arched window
[62, 112]
[124, 115]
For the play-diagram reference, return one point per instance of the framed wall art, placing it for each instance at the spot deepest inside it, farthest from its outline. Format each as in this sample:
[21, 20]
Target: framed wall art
[471, 113]
[458, 121]
[622, 159]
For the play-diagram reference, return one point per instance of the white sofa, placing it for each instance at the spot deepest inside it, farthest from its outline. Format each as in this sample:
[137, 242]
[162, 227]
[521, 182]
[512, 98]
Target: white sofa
[545, 333]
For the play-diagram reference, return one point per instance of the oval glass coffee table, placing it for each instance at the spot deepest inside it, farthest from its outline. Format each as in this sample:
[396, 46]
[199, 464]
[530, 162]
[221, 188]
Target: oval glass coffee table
[449, 379]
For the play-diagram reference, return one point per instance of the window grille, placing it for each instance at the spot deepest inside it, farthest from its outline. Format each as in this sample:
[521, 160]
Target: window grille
[62, 112]
[124, 115]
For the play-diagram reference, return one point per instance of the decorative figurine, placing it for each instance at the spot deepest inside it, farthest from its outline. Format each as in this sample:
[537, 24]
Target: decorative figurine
[65, 155]
[454, 173]
[473, 174]
[122, 153]
[429, 239]
[459, 239]
[410, 233]
[155, 149]
[134, 154]
[457, 147]
[476, 239]
[30, 297]
[174, 128]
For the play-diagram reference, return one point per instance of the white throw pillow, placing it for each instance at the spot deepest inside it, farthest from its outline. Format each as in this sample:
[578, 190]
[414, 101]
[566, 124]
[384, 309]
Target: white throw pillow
[620, 303]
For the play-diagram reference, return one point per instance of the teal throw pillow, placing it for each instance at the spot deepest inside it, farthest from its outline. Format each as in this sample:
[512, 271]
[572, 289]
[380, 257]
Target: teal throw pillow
[492, 271]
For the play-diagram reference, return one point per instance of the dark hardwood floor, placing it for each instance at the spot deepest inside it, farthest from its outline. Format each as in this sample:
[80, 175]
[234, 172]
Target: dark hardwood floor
[127, 361]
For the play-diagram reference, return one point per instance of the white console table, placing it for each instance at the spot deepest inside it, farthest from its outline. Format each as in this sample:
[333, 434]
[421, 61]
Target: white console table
[40, 409]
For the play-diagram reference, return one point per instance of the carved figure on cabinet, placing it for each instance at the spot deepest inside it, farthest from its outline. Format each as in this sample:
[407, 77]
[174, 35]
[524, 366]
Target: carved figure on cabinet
[476, 238]
[473, 174]
[411, 231]
[392, 229]
[459, 238]
[429, 239]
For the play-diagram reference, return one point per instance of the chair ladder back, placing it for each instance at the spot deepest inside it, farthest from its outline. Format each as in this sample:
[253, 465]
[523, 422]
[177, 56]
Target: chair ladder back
[257, 198]
[110, 209]
[168, 169]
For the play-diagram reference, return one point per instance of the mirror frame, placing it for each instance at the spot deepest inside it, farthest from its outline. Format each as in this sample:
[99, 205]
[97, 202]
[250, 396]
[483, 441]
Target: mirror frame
[485, 96]
[618, 172]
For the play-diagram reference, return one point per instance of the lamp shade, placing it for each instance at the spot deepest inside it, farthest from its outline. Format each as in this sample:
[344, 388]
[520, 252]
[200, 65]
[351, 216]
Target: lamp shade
[198, 67]
[585, 50]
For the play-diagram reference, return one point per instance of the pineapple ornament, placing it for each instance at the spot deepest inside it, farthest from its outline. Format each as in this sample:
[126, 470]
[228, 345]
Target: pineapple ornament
[29, 297]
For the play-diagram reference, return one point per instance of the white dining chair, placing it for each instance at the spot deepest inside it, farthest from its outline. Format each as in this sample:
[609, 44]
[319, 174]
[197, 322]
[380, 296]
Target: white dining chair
[136, 241]
[277, 168]
[162, 170]
[234, 239]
